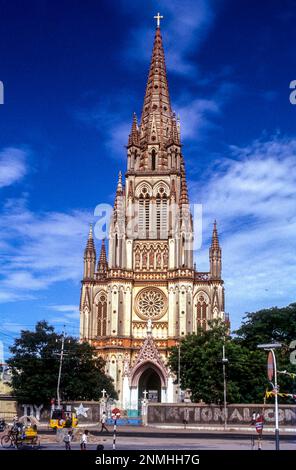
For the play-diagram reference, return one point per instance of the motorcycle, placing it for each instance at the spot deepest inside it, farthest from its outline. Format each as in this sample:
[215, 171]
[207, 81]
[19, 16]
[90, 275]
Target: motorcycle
[3, 425]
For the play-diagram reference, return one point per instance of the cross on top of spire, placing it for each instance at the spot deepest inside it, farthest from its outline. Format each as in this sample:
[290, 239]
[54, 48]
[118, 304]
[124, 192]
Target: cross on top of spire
[158, 17]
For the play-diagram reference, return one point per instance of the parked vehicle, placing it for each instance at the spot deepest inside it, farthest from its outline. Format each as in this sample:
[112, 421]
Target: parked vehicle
[62, 419]
[20, 435]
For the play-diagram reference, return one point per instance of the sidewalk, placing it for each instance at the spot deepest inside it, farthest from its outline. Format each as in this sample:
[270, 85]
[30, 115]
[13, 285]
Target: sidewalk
[172, 428]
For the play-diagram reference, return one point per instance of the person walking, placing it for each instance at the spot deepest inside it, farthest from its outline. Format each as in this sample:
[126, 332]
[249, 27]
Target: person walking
[83, 440]
[67, 440]
[103, 422]
[259, 428]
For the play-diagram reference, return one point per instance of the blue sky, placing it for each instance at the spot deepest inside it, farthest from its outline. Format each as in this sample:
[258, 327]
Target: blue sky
[73, 74]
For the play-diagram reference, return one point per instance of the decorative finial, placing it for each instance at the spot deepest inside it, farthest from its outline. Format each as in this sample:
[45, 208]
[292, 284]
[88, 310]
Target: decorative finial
[158, 17]
[119, 183]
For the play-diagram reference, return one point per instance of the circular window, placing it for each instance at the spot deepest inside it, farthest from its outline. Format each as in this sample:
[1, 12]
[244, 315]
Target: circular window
[151, 303]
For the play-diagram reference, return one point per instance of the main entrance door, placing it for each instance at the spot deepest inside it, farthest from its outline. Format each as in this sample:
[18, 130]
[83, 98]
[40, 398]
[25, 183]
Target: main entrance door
[150, 381]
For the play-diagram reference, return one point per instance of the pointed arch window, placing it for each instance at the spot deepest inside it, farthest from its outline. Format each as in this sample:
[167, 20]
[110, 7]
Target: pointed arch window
[183, 251]
[147, 215]
[153, 160]
[141, 216]
[102, 315]
[164, 217]
[158, 212]
[116, 250]
[144, 214]
[161, 214]
[135, 162]
[201, 312]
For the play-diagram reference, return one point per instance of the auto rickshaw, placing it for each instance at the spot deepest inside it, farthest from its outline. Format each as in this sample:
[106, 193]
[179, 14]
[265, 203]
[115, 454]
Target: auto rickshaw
[60, 419]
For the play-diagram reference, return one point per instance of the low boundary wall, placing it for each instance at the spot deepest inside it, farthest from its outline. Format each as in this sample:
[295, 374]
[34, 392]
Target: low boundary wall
[161, 413]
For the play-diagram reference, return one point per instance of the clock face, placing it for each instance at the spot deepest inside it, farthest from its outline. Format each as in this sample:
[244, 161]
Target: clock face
[151, 302]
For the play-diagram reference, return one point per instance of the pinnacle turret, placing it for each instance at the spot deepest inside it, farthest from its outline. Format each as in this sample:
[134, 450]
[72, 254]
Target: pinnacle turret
[184, 191]
[133, 138]
[215, 254]
[103, 263]
[89, 256]
[90, 246]
[215, 238]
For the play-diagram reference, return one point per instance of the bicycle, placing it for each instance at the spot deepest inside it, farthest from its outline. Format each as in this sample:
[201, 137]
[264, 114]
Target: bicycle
[14, 438]
[10, 439]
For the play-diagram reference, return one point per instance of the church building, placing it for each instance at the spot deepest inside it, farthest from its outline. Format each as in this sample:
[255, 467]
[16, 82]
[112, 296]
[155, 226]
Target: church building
[148, 295]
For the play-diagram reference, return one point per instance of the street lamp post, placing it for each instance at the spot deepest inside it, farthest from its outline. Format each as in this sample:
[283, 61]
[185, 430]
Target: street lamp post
[61, 356]
[271, 347]
[224, 362]
[60, 371]
[179, 372]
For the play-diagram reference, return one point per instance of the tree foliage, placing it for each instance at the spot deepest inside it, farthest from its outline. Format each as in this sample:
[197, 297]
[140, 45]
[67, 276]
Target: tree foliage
[35, 365]
[273, 325]
[268, 325]
[201, 367]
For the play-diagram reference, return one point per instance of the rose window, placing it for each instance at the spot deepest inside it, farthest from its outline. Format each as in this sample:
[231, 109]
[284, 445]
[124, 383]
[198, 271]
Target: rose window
[151, 303]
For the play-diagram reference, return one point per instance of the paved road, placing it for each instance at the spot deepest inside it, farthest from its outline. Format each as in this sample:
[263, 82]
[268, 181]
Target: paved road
[166, 443]
[157, 433]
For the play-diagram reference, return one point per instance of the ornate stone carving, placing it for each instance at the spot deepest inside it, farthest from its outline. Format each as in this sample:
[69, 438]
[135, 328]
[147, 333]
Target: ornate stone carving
[151, 302]
[151, 256]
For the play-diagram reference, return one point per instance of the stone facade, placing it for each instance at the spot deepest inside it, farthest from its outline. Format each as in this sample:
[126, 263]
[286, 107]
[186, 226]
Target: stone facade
[149, 294]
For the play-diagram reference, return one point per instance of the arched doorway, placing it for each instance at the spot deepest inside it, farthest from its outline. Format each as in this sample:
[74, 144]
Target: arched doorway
[150, 381]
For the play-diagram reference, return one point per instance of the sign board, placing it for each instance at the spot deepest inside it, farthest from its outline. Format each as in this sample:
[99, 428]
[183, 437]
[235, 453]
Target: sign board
[270, 367]
[116, 413]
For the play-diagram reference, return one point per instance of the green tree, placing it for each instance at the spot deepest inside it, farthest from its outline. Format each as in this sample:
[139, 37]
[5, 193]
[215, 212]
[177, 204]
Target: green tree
[202, 372]
[35, 366]
[269, 326]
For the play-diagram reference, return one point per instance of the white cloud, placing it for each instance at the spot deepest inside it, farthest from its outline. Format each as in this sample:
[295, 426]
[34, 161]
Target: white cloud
[195, 116]
[68, 314]
[65, 308]
[253, 194]
[41, 249]
[12, 327]
[12, 166]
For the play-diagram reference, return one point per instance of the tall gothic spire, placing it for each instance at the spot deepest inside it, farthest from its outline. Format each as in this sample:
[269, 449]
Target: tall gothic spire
[215, 253]
[133, 138]
[90, 246]
[118, 203]
[103, 264]
[157, 118]
[184, 191]
[215, 239]
[89, 256]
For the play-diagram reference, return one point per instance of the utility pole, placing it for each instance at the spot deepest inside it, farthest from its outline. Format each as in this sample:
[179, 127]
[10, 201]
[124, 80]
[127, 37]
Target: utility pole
[61, 354]
[272, 371]
[224, 362]
[179, 370]
[276, 403]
